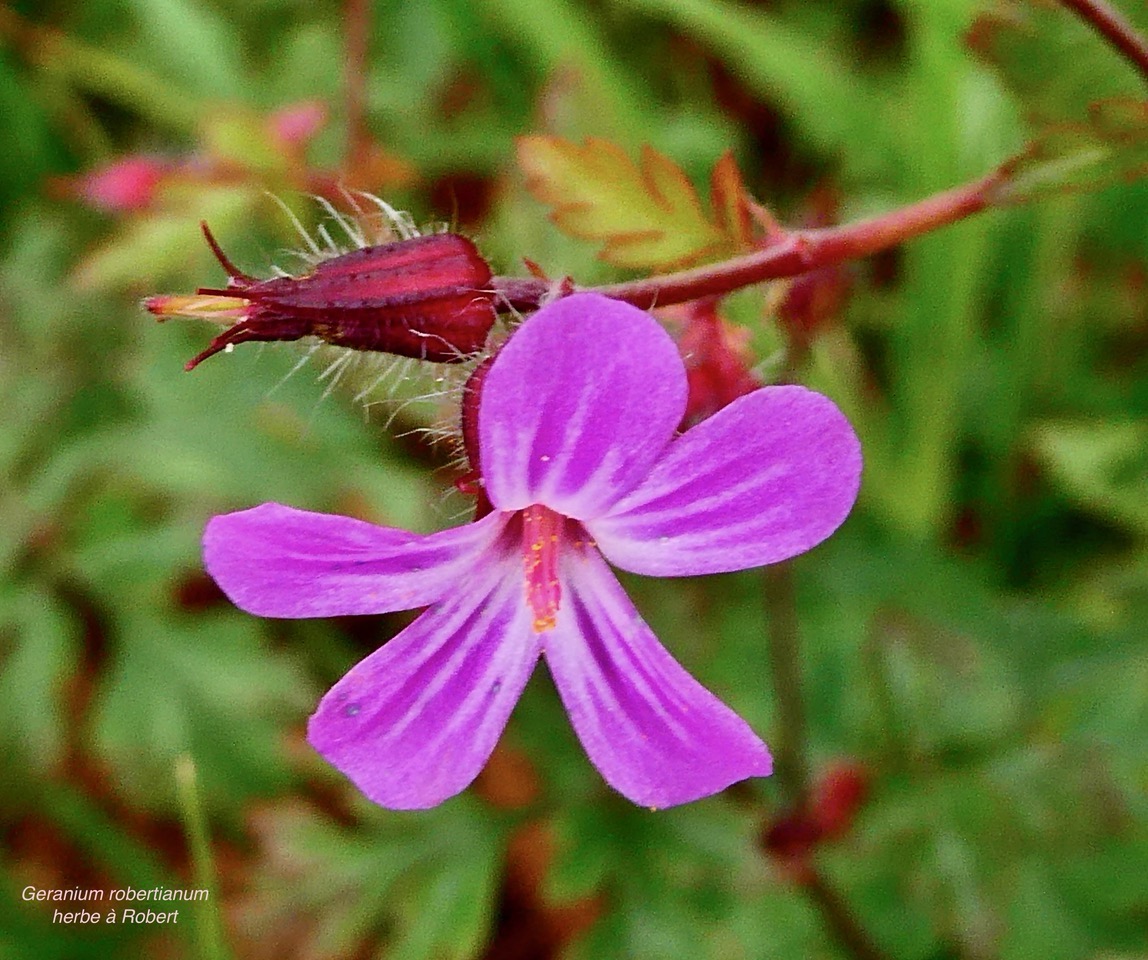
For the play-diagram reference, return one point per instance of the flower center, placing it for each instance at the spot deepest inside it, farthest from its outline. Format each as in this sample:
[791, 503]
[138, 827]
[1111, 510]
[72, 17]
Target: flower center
[541, 537]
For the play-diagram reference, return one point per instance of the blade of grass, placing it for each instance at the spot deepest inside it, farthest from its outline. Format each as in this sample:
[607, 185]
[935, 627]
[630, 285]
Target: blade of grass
[208, 927]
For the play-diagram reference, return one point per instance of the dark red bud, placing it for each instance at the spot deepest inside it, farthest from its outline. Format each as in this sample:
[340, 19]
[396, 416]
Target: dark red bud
[813, 301]
[426, 297]
[791, 838]
[826, 814]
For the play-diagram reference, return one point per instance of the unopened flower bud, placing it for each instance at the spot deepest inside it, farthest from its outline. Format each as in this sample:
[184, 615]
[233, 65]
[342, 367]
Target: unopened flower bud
[813, 301]
[424, 297]
[718, 358]
[123, 186]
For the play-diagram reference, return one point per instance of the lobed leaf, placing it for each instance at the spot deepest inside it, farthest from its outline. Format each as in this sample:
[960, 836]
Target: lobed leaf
[423, 884]
[1111, 144]
[647, 215]
[731, 201]
[1053, 62]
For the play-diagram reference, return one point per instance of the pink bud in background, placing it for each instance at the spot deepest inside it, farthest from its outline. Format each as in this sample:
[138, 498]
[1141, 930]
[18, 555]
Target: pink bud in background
[124, 185]
[296, 124]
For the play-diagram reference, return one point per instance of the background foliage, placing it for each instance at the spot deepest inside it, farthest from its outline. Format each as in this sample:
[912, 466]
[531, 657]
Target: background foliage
[971, 640]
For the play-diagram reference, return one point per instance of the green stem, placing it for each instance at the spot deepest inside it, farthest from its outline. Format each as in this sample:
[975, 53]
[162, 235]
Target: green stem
[791, 762]
[208, 928]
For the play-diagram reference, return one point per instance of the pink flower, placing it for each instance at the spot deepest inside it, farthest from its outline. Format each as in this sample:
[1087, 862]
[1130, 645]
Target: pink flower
[581, 463]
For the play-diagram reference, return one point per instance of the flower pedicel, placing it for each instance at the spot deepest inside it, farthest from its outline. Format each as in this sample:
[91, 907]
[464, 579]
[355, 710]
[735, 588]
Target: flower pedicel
[581, 463]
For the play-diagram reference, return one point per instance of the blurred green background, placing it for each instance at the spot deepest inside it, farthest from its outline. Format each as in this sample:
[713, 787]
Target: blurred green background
[970, 643]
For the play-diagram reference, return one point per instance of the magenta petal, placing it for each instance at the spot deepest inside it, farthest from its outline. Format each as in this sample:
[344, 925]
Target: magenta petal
[764, 479]
[657, 735]
[577, 406]
[413, 723]
[276, 561]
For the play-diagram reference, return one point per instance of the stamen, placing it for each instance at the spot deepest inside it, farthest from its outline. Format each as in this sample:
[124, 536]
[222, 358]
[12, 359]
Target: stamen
[541, 538]
[217, 305]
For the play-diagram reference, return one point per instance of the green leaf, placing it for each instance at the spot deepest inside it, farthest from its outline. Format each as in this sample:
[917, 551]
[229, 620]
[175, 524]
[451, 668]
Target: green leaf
[1037, 923]
[447, 919]
[37, 656]
[646, 215]
[783, 59]
[1051, 59]
[423, 883]
[1103, 466]
[209, 688]
[667, 875]
[191, 43]
[1110, 145]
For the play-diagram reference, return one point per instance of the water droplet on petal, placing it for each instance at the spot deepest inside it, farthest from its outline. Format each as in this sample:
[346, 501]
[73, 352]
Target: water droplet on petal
[352, 710]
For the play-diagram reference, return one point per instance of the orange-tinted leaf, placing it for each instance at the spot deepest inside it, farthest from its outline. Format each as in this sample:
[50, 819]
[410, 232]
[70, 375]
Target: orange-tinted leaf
[731, 201]
[647, 215]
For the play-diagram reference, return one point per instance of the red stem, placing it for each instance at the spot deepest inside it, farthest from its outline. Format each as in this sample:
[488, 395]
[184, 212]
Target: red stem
[843, 926]
[798, 251]
[1111, 24]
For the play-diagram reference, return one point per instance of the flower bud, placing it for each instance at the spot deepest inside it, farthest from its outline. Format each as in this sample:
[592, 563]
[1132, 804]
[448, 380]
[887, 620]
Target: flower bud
[123, 186]
[717, 355]
[813, 301]
[424, 297]
[838, 796]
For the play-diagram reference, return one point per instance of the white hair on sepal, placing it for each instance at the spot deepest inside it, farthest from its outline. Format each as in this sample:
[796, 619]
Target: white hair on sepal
[380, 382]
[362, 227]
[313, 347]
[313, 253]
[353, 231]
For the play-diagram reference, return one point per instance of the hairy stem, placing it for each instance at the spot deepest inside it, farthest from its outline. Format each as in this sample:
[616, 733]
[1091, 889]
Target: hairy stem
[797, 251]
[1111, 25]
